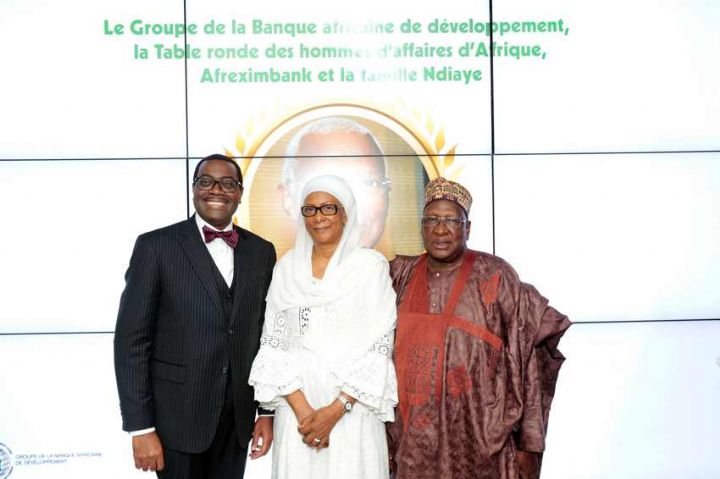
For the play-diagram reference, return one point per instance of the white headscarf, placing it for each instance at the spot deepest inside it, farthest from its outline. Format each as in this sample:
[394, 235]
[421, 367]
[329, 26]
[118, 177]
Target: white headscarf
[351, 273]
[350, 240]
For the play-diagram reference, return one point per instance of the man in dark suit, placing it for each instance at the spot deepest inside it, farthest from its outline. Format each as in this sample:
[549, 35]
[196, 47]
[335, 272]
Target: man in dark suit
[187, 332]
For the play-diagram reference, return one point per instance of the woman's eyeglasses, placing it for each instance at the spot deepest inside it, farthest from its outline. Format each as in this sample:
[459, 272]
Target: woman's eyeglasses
[327, 210]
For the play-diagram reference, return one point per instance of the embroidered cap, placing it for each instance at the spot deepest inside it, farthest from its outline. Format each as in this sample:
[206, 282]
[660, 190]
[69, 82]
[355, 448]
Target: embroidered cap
[443, 189]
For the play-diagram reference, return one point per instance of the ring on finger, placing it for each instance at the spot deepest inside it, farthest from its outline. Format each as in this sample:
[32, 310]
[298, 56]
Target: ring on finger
[317, 440]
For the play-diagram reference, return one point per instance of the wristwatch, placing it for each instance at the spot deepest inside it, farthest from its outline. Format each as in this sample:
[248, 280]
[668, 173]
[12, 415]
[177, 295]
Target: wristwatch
[346, 404]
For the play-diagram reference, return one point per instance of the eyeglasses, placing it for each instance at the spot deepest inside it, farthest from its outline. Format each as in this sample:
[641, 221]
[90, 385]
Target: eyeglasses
[207, 183]
[452, 222]
[373, 185]
[327, 210]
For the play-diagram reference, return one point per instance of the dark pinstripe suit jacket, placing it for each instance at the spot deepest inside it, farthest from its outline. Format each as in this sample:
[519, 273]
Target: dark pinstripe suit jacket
[174, 342]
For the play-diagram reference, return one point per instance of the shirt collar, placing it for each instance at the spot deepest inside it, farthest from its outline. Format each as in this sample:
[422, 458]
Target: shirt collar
[201, 222]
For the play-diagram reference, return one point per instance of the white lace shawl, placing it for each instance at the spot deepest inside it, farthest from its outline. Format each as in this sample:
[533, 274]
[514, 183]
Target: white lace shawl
[352, 335]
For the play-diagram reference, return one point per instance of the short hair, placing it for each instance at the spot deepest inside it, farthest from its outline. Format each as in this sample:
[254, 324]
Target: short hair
[218, 156]
[329, 124]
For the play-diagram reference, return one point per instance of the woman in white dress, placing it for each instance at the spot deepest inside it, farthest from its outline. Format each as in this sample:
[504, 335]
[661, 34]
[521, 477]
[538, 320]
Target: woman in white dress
[325, 359]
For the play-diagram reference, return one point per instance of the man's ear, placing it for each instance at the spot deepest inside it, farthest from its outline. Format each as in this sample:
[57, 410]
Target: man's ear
[284, 192]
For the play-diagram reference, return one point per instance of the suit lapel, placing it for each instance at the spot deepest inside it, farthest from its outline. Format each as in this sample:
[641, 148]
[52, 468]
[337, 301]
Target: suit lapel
[243, 258]
[200, 259]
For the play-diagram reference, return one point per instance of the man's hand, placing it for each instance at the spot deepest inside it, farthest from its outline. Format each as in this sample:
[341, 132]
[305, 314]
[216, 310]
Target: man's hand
[262, 437]
[148, 452]
[316, 427]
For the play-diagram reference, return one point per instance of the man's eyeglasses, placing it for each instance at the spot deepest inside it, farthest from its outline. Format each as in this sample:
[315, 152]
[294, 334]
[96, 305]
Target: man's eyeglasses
[452, 222]
[327, 210]
[373, 185]
[207, 183]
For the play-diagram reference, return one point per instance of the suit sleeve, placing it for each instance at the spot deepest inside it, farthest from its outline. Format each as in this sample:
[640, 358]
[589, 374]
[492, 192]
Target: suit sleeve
[268, 278]
[134, 332]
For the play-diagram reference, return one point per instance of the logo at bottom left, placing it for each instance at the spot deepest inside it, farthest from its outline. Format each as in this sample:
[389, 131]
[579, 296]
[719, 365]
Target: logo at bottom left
[7, 461]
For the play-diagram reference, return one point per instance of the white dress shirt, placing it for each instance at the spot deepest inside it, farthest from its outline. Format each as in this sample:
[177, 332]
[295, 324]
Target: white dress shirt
[222, 254]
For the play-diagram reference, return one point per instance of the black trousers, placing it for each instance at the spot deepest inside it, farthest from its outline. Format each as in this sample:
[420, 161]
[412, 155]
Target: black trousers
[225, 459]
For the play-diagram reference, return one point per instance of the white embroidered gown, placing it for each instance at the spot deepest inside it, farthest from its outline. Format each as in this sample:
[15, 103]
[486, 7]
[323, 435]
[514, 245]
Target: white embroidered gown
[358, 446]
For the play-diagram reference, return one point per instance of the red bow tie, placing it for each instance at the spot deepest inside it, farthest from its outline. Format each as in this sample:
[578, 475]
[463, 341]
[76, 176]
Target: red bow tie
[230, 237]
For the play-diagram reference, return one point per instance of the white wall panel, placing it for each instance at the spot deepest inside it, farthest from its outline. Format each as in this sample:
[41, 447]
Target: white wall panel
[68, 231]
[60, 410]
[629, 76]
[614, 237]
[68, 90]
[637, 400]
[61, 418]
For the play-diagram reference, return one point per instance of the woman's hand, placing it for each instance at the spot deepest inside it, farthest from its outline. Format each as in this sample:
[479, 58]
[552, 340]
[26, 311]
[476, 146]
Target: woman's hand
[299, 404]
[316, 427]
